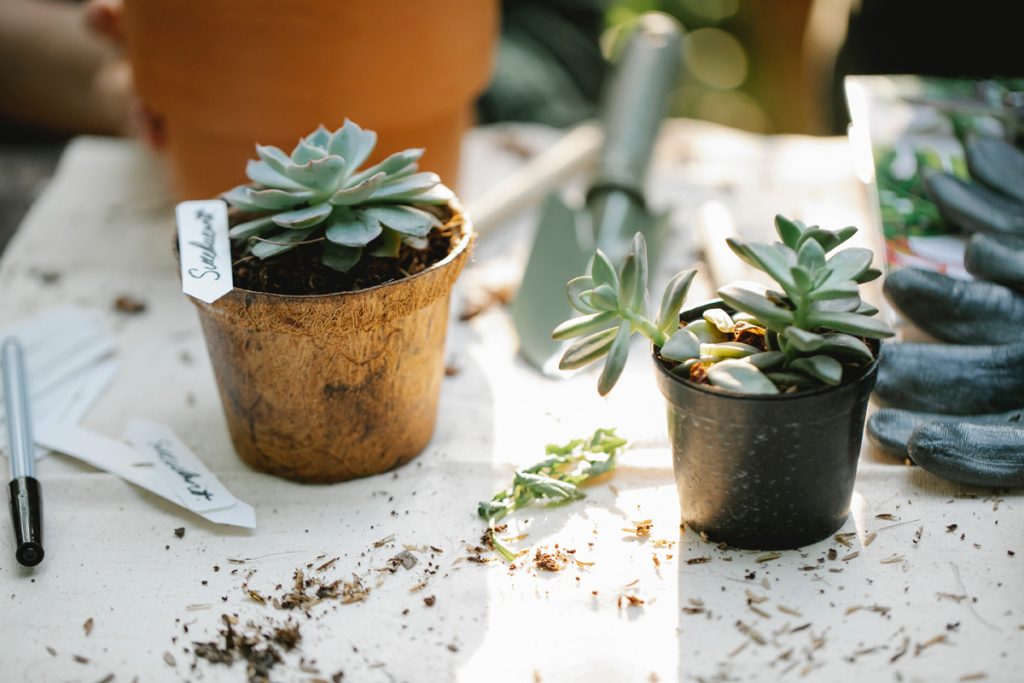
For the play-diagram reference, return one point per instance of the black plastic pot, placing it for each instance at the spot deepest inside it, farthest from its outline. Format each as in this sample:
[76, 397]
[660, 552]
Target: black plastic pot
[766, 472]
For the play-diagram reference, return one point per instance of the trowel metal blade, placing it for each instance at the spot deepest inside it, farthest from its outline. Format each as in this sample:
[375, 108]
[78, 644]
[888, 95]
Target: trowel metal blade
[562, 249]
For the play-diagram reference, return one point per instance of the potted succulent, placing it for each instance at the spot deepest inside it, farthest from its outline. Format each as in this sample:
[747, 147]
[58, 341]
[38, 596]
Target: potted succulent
[767, 390]
[222, 75]
[328, 352]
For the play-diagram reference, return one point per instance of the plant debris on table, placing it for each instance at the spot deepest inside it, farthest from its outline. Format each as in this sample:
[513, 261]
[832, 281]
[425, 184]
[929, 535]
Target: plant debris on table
[555, 480]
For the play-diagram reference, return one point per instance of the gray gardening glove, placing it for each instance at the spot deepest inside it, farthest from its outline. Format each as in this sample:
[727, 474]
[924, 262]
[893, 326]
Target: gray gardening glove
[956, 409]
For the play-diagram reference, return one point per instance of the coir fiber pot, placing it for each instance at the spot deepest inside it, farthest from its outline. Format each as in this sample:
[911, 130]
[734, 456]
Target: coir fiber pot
[224, 74]
[325, 388]
[765, 472]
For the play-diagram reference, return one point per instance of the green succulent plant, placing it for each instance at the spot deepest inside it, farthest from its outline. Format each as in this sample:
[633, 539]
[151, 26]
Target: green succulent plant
[805, 335]
[319, 194]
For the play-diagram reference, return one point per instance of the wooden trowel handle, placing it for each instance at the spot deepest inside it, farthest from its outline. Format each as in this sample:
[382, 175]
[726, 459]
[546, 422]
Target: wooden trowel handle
[636, 100]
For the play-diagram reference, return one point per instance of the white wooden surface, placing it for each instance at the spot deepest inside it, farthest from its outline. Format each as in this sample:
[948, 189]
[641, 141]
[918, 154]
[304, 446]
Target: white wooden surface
[105, 225]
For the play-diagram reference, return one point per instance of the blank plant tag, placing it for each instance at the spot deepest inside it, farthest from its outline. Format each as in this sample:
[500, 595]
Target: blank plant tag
[204, 249]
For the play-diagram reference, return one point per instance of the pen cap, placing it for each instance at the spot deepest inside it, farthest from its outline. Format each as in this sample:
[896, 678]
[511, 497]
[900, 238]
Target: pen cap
[27, 515]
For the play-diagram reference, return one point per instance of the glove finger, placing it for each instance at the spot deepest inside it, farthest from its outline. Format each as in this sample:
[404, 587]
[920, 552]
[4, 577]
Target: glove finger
[996, 163]
[982, 455]
[890, 429]
[950, 379]
[997, 258]
[974, 207]
[957, 311]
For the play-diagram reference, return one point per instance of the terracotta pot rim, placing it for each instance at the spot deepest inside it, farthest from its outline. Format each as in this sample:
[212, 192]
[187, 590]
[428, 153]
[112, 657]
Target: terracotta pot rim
[468, 234]
[736, 396]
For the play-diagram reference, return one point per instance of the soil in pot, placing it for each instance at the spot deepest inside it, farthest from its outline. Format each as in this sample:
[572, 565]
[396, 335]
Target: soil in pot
[331, 376]
[765, 472]
[300, 271]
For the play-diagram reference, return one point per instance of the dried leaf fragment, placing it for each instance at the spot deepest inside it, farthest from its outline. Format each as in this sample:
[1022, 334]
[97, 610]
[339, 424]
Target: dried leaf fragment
[767, 557]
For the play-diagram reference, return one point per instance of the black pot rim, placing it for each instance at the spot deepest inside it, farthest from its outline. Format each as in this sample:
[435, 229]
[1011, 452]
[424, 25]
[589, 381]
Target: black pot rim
[688, 314]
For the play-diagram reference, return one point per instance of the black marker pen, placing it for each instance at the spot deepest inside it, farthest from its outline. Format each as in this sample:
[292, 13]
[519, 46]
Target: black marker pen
[26, 498]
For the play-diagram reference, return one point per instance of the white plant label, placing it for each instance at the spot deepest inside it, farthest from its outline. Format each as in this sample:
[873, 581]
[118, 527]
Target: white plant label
[194, 485]
[204, 249]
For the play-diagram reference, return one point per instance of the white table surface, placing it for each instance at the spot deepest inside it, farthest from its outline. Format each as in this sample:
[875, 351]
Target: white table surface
[105, 224]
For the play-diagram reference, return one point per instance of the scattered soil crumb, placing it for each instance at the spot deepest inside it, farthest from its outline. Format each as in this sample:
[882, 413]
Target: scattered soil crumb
[53, 653]
[87, 626]
[845, 538]
[641, 529]
[550, 561]
[180, 532]
[904, 647]
[169, 659]
[129, 305]
[80, 659]
[430, 600]
[934, 640]
[698, 560]
[384, 541]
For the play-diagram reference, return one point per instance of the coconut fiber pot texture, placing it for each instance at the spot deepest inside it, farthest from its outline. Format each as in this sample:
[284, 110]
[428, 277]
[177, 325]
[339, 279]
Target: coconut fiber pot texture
[330, 387]
[765, 472]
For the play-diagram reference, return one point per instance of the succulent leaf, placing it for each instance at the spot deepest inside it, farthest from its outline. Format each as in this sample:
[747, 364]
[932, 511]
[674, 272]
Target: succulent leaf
[681, 346]
[262, 173]
[604, 298]
[583, 325]
[353, 229]
[741, 377]
[322, 174]
[358, 193]
[279, 243]
[404, 219]
[789, 232]
[304, 152]
[727, 350]
[811, 255]
[603, 271]
[824, 368]
[306, 217]
[341, 258]
[251, 228]
[758, 305]
[851, 323]
[766, 360]
[836, 289]
[575, 288]
[588, 349]
[618, 354]
[274, 157]
[389, 244]
[672, 300]
[720, 319]
[705, 332]
[353, 144]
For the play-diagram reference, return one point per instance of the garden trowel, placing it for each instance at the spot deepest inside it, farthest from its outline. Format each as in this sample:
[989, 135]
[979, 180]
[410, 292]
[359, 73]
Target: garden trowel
[614, 208]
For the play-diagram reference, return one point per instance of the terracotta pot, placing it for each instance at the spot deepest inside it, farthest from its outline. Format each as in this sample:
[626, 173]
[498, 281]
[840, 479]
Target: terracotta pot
[225, 74]
[325, 388]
